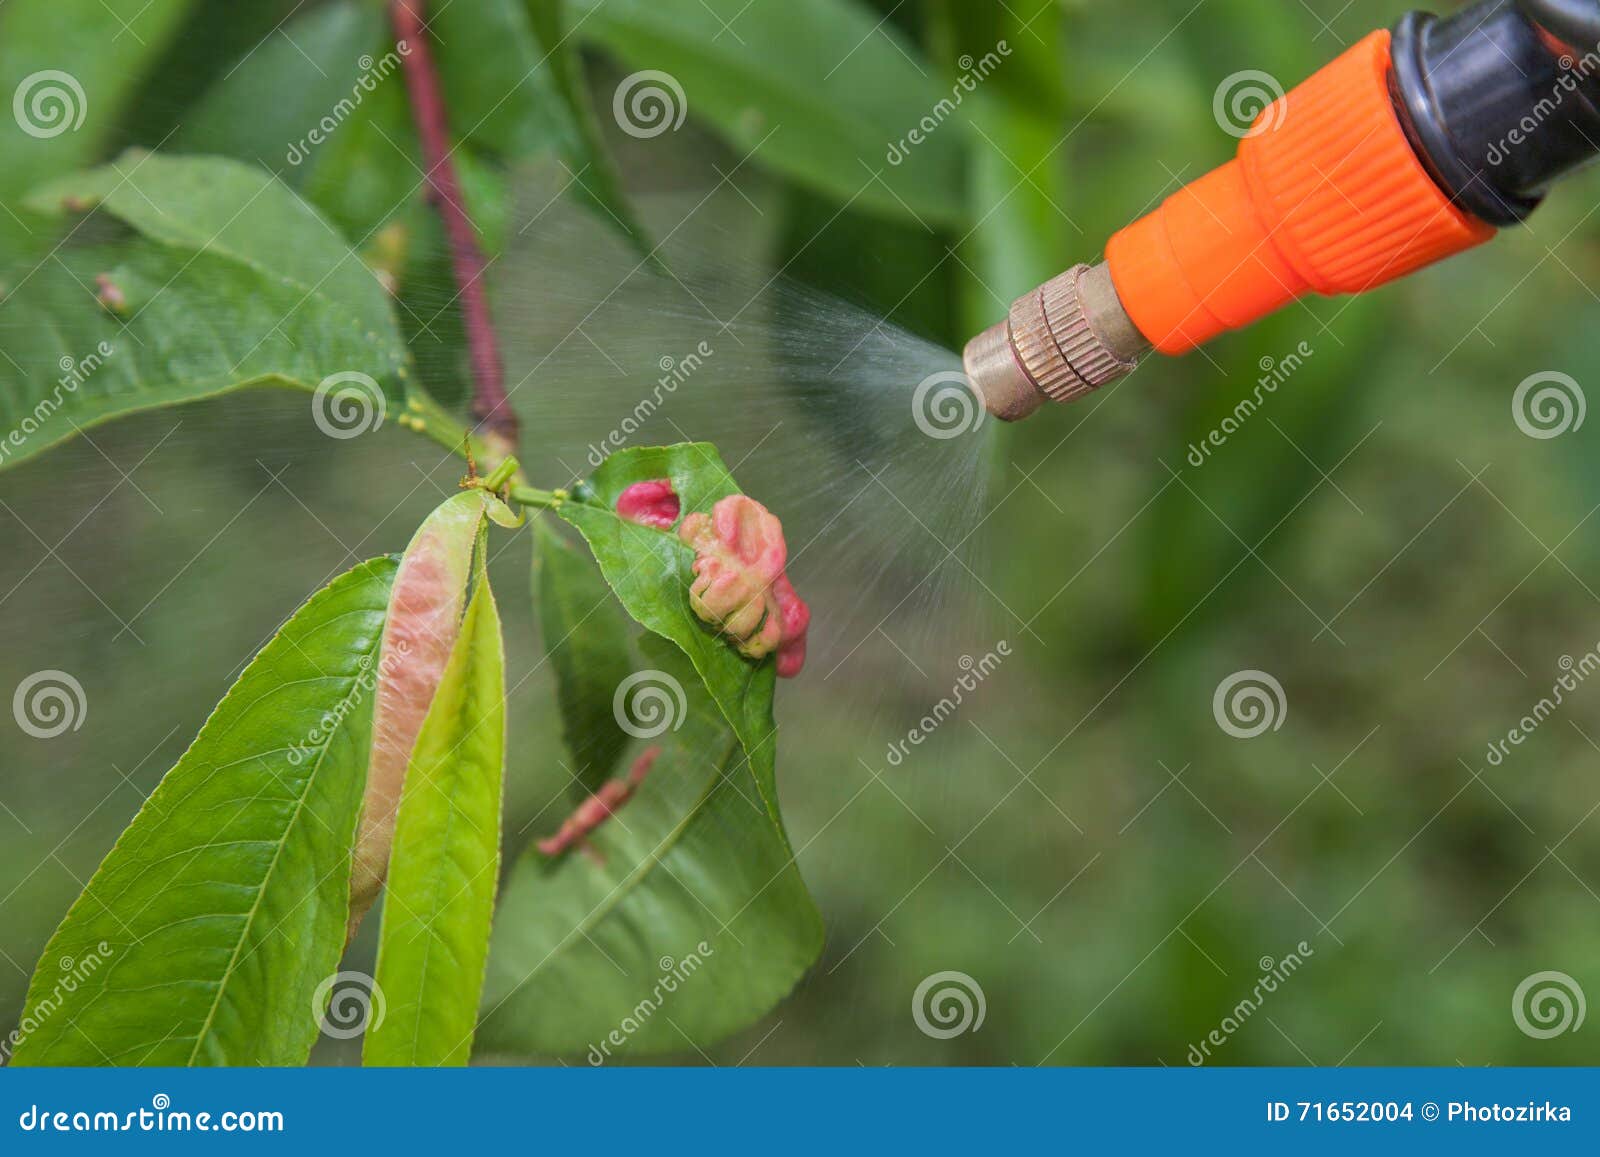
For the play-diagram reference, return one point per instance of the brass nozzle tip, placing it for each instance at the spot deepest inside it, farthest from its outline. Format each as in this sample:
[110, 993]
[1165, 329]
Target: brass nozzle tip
[1066, 338]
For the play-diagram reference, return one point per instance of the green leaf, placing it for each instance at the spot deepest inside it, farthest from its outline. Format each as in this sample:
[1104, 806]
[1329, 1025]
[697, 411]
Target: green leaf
[586, 640]
[818, 89]
[231, 281]
[650, 572]
[684, 920]
[696, 867]
[439, 901]
[104, 47]
[265, 108]
[222, 907]
[592, 166]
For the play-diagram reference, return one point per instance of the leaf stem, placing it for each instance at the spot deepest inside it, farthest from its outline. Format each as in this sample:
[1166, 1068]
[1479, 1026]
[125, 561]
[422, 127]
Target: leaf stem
[496, 420]
[533, 496]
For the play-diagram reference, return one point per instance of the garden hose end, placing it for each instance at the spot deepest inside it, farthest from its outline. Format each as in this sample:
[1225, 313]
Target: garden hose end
[1059, 342]
[1409, 147]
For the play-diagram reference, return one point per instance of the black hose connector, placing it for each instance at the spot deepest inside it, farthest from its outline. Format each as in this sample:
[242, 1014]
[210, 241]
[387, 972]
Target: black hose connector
[1500, 99]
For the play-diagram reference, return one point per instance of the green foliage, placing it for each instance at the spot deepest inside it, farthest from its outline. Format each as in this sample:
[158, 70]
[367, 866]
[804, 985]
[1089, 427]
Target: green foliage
[760, 86]
[223, 906]
[71, 120]
[439, 898]
[685, 919]
[204, 298]
[586, 641]
[650, 573]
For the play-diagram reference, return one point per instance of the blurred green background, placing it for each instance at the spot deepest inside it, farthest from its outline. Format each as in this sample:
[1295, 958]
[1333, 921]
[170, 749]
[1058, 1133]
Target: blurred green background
[1082, 839]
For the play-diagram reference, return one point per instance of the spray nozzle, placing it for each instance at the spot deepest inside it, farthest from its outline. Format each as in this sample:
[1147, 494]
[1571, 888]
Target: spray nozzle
[1064, 339]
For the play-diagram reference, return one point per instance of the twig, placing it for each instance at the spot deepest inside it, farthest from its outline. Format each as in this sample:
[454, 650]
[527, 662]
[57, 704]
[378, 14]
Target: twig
[489, 403]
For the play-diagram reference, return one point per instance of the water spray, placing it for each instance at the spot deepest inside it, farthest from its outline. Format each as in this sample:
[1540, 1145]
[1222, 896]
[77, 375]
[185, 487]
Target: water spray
[1415, 144]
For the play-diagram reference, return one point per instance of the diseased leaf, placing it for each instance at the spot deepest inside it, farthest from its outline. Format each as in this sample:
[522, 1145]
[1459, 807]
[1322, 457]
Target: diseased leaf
[820, 90]
[439, 900]
[231, 281]
[222, 907]
[650, 572]
[419, 638]
[685, 918]
[586, 640]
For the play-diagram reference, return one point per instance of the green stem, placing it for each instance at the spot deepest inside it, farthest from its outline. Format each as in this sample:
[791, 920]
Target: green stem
[533, 496]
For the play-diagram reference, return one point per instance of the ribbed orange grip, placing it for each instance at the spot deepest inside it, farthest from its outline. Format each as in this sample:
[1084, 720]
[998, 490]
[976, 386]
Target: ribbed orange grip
[1326, 194]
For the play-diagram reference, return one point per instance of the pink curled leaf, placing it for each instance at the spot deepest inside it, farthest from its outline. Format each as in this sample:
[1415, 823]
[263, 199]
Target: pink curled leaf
[653, 503]
[739, 582]
[599, 807]
[425, 611]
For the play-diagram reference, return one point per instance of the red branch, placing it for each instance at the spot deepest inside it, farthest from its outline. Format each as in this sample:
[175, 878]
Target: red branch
[489, 404]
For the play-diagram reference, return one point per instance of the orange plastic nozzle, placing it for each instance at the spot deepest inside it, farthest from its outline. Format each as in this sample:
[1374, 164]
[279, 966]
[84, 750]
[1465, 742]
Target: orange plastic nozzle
[1326, 194]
